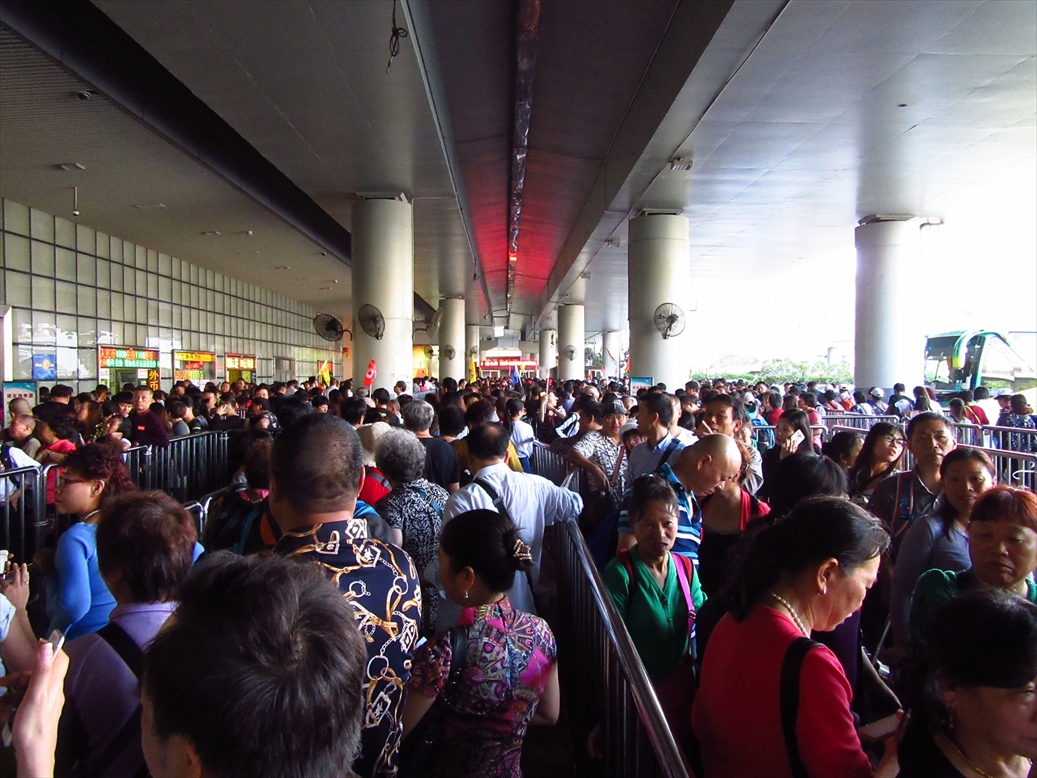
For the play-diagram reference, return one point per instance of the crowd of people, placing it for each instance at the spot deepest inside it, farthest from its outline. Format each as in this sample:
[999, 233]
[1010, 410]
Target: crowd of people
[368, 596]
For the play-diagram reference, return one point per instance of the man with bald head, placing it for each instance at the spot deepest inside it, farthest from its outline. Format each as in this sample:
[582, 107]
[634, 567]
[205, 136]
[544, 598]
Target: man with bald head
[697, 471]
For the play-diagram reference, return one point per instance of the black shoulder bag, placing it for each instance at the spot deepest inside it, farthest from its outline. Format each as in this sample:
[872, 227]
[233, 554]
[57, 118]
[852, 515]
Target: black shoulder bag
[502, 509]
[788, 697]
[419, 753]
[130, 653]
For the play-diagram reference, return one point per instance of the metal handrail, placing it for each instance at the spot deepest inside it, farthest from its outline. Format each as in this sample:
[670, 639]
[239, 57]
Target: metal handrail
[610, 677]
[607, 676]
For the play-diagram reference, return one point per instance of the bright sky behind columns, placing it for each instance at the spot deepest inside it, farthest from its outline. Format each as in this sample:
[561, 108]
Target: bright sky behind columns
[980, 270]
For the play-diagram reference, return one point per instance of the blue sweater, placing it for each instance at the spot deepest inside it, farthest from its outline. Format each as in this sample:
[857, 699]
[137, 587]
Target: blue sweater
[78, 601]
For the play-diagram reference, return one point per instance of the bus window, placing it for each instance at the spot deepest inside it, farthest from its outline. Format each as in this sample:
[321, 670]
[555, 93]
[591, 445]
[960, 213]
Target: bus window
[1003, 368]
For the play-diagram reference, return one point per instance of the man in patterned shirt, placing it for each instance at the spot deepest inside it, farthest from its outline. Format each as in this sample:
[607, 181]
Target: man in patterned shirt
[316, 471]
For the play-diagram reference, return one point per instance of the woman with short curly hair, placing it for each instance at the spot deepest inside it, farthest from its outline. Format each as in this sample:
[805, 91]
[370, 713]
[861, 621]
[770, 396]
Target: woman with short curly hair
[413, 509]
[78, 600]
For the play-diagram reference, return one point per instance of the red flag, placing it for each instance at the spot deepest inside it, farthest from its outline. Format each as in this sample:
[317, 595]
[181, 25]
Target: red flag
[369, 377]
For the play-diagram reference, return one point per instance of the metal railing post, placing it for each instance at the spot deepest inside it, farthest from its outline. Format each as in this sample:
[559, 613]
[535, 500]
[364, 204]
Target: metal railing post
[17, 481]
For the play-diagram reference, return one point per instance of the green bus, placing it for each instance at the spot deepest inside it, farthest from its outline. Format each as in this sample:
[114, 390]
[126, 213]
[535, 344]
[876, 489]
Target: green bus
[965, 359]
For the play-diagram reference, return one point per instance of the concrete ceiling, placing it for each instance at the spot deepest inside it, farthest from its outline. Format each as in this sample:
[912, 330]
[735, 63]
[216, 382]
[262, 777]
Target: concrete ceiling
[801, 117]
[138, 186]
[305, 83]
[804, 117]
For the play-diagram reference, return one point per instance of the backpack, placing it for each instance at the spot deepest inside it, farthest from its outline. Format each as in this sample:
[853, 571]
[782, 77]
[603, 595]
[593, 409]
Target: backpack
[5, 457]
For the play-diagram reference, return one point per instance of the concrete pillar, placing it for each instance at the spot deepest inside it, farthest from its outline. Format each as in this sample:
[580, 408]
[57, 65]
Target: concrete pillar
[889, 340]
[548, 352]
[348, 348]
[659, 271]
[471, 343]
[571, 338]
[452, 359]
[611, 355]
[383, 276]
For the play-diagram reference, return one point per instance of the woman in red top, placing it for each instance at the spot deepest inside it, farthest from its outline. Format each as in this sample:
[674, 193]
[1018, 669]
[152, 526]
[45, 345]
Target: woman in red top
[807, 572]
[56, 431]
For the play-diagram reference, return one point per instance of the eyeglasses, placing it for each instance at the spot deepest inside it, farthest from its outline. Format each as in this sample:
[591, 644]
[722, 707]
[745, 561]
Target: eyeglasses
[895, 440]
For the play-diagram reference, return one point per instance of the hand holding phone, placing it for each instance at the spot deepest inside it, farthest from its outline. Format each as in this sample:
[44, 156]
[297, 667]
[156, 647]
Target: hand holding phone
[796, 440]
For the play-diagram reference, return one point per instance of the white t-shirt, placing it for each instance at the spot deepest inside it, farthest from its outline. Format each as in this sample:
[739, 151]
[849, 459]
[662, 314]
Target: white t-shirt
[522, 436]
[20, 459]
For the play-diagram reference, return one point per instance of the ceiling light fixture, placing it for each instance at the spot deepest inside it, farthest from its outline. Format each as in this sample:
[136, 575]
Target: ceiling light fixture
[151, 207]
[71, 167]
[75, 201]
[210, 233]
[282, 267]
[680, 163]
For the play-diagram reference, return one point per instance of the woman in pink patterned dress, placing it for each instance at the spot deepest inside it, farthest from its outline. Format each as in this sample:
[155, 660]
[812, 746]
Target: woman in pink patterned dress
[508, 678]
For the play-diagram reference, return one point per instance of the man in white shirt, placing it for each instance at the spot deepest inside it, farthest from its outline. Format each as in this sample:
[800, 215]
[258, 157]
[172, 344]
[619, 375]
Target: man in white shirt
[654, 416]
[13, 458]
[531, 502]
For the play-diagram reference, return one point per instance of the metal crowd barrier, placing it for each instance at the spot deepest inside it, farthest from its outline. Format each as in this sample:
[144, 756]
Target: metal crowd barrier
[546, 463]
[856, 421]
[1014, 468]
[193, 470]
[201, 508]
[1010, 439]
[604, 677]
[605, 681]
[138, 462]
[191, 466]
[20, 512]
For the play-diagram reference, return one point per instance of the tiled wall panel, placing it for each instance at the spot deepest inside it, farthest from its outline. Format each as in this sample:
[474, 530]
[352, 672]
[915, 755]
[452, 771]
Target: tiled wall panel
[71, 288]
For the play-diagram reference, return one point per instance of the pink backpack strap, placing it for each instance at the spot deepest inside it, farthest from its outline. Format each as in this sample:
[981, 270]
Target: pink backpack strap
[685, 571]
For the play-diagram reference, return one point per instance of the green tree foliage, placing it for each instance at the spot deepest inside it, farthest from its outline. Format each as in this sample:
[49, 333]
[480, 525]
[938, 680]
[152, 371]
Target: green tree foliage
[781, 371]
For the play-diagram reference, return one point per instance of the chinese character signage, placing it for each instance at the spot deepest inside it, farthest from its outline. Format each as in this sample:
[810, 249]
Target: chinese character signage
[240, 362]
[506, 363]
[196, 366]
[118, 356]
[17, 390]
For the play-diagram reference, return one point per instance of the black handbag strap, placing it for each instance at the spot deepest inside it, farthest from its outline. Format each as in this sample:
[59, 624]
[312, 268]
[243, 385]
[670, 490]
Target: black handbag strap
[788, 697]
[502, 509]
[424, 497]
[132, 655]
[458, 654]
[123, 645]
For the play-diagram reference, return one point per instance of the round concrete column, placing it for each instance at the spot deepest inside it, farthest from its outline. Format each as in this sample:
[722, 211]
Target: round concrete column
[658, 271]
[610, 354]
[889, 341]
[548, 352]
[348, 347]
[383, 276]
[452, 351]
[471, 343]
[571, 339]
